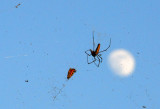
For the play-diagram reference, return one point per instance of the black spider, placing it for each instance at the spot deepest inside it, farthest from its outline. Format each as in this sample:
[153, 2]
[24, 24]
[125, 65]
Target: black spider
[96, 53]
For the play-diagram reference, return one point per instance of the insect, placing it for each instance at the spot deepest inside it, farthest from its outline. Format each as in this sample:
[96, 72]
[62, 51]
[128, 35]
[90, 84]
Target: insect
[96, 53]
[71, 72]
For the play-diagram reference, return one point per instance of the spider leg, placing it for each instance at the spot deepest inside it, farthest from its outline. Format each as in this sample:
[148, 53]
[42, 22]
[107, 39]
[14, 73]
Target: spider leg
[87, 53]
[93, 41]
[95, 63]
[98, 60]
[100, 57]
[107, 47]
[98, 63]
[92, 61]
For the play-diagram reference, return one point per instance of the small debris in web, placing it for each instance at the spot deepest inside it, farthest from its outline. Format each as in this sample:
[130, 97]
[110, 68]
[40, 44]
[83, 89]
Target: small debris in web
[18, 5]
[144, 106]
[26, 81]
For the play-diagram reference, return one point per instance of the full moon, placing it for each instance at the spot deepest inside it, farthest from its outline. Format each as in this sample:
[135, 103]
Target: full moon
[121, 62]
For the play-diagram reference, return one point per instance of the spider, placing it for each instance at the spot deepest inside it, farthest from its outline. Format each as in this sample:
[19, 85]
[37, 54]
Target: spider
[96, 53]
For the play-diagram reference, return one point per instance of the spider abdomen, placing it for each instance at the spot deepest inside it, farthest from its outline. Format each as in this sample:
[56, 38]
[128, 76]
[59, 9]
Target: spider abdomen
[97, 49]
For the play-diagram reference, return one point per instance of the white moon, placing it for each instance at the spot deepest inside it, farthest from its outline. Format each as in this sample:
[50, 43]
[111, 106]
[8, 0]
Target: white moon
[121, 62]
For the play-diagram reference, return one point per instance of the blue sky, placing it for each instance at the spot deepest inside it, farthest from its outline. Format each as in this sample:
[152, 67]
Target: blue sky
[41, 40]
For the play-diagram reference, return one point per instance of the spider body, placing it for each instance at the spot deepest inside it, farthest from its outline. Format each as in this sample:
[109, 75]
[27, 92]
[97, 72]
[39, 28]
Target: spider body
[96, 53]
